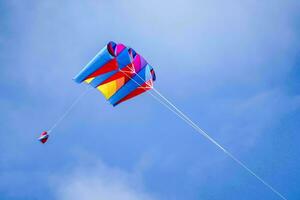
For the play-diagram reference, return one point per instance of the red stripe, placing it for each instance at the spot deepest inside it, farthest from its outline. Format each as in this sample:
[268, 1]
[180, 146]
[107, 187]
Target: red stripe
[126, 70]
[137, 91]
[110, 66]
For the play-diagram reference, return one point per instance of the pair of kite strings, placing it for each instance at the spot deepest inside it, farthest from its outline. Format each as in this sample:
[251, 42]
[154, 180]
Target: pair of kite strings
[168, 104]
[65, 114]
[202, 132]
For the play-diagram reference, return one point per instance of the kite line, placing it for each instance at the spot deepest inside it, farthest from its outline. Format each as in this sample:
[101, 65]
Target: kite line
[202, 132]
[67, 112]
[175, 110]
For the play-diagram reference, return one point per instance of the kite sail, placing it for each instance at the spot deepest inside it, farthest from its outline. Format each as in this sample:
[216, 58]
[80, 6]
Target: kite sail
[119, 72]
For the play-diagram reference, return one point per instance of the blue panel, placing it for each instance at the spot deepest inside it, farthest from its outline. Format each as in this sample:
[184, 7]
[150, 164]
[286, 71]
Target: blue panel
[123, 58]
[148, 74]
[97, 62]
[100, 79]
[143, 76]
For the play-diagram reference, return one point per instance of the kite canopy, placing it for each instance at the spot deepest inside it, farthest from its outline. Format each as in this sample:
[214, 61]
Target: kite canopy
[118, 72]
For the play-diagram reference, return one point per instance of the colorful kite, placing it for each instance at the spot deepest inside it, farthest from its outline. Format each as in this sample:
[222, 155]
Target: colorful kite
[118, 72]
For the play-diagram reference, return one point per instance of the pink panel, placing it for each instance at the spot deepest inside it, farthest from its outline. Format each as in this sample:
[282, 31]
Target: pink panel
[137, 63]
[119, 48]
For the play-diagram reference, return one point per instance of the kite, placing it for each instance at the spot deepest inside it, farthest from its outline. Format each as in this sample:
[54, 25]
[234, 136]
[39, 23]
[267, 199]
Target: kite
[43, 137]
[119, 72]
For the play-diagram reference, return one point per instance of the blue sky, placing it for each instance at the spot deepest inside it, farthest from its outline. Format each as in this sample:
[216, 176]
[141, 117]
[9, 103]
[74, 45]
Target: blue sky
[232, 66]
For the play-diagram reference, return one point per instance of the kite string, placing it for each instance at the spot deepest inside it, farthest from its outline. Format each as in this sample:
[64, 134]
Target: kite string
[157, 98]
[202, 132]
[65, 114]
[168, 104]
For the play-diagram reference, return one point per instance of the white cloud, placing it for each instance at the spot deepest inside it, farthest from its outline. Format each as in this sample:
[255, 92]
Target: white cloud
[99, 182]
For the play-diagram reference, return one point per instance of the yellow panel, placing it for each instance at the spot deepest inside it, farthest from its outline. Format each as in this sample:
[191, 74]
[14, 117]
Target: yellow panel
[108, 89]
[112, 87]
[89, 80]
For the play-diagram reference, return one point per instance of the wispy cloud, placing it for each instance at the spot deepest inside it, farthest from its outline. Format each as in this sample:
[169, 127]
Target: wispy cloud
[97, 181]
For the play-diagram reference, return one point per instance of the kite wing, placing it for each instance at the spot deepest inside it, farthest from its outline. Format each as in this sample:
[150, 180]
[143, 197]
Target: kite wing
[118, 72]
